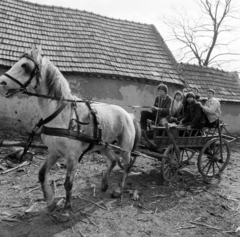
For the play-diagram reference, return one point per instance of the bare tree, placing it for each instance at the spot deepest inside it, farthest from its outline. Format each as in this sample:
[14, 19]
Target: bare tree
[209, 38]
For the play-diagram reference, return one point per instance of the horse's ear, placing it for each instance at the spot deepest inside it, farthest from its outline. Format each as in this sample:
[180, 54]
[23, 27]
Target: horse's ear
[30, 50]
[37, 52]
[39, 48]
[33, 48]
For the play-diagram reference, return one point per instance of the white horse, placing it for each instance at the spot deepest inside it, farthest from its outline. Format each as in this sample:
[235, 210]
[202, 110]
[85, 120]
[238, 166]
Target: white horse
[118, 126]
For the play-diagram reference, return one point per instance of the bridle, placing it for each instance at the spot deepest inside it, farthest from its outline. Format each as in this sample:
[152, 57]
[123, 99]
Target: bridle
[35, 72]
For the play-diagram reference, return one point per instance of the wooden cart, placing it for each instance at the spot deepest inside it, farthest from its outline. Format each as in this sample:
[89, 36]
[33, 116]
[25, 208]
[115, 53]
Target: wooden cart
[175, 146]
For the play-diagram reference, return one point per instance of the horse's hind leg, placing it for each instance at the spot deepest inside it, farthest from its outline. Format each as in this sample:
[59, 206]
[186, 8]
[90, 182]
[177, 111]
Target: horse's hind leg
[43, 178]
[112, 162]
[126, 160]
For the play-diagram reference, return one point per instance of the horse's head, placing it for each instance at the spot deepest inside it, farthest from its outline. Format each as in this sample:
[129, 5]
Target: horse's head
[24, 73]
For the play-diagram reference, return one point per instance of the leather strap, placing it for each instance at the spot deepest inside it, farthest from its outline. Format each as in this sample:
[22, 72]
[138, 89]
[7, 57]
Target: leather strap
[75, 135]
[15, 80]
[52, 116]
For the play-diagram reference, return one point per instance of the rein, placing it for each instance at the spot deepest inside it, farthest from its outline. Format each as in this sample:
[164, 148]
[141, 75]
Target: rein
[81, 100]
[79, 135]
[53, 98]
[23, 87]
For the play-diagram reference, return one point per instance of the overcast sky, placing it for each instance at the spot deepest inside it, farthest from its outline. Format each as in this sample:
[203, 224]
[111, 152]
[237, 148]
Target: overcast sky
[143, 11]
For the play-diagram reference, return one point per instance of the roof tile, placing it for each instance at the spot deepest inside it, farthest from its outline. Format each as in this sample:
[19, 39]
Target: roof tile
[225, 84]
[83, 39]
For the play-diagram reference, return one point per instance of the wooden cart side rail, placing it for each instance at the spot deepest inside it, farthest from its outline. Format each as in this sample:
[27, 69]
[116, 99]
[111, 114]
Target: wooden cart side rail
[228, 138]
[183, 137]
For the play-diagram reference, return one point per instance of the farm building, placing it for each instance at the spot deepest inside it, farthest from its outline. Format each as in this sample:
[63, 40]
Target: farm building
[104, 59]
[226, 86]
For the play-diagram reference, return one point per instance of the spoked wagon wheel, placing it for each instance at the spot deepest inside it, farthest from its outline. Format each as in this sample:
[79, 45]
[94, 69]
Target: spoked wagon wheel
[210, 161]
[132, 161]
[169, 166]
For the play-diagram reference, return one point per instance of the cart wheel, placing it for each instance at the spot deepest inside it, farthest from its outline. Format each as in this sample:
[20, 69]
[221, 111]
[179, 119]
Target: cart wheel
[132, 161]
[210, 162]
[169, 166]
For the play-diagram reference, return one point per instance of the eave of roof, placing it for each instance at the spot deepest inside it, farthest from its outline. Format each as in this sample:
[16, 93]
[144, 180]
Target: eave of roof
[83, 42]
[225, 84]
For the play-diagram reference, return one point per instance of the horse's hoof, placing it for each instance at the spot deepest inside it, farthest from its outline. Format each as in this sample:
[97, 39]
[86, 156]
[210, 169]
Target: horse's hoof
[104, 187]
[68, 206]
[53, 206]
[116, 194]
[63, 217]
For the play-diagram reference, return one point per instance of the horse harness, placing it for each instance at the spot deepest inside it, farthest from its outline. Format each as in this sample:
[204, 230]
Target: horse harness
[69, 133]
[79, 134]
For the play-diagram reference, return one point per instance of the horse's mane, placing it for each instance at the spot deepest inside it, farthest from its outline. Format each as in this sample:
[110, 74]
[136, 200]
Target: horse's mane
[56, 85]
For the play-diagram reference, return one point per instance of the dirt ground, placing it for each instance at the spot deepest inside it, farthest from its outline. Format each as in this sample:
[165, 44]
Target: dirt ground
[188, 207]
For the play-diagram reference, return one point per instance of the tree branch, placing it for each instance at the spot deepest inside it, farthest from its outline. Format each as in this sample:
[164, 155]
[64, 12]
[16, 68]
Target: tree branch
[205, 38]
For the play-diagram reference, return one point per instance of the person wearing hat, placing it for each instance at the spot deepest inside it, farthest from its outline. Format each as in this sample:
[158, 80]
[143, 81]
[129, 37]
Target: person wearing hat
[194, 118]
[194, 89]
[212, 109]
[160, 109]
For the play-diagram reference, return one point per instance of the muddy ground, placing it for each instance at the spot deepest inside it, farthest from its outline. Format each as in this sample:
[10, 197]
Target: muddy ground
[188, 207]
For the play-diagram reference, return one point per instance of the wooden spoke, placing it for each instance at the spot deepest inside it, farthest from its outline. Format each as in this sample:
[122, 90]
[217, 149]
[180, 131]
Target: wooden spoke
[215, 152]
[168, 167]
[213, 168]
[209, 168]
[218, 166]
[206, 165]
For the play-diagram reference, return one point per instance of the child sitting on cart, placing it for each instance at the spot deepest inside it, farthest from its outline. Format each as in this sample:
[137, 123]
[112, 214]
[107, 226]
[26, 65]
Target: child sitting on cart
[212, 109]
[195, 117]
[177, 111]
[160, 109]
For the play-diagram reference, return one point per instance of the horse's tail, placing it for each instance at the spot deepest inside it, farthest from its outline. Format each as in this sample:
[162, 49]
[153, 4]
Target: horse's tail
[138, 131]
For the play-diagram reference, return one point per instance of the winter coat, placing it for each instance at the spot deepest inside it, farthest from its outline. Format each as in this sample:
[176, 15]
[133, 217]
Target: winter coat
[165, 105]
[195, 116]
[212, 109]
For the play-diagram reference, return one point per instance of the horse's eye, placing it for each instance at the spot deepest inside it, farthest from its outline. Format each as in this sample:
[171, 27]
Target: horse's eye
[24, 65]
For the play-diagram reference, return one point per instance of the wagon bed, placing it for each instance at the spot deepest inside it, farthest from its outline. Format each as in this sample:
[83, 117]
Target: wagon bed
[195, 138]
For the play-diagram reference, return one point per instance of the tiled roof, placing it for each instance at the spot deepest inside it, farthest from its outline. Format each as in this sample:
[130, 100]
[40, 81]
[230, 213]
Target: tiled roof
[225, 84]
[80, 41]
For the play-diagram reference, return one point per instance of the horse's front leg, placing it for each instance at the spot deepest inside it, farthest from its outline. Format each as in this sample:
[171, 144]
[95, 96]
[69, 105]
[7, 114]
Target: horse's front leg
[43, 178]
[68, 184]
[126, 160]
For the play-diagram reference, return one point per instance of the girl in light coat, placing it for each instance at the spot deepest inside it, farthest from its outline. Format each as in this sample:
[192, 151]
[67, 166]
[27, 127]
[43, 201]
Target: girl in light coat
[177, 112]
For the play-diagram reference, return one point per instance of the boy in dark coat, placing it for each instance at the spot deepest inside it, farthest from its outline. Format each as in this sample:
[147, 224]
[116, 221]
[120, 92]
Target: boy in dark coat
[195, 117]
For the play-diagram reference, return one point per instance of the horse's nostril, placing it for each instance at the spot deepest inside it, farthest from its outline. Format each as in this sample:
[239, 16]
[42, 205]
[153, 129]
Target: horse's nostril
[3, 83]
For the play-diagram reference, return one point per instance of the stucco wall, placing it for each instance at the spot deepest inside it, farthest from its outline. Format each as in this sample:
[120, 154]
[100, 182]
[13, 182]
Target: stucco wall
[120, 92]
[231, 116]
[21, 112]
